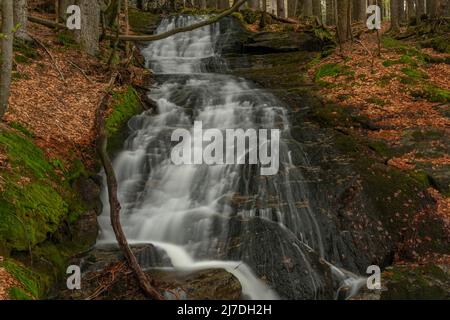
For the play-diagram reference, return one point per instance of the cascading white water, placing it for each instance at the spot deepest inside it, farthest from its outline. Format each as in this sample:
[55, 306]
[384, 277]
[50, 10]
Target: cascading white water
[176, 208]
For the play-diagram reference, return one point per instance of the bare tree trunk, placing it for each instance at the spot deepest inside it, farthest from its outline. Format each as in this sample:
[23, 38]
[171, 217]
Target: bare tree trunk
[410, 10]
[420, 9]
[330, 15]
[307, 9]
[281, 12]
[21, 19]
[359, 10]
[342, 20]
[127, 25]
[394, 16]
[89, 35]
[292, 8]
[224, 4]
[317, 9]
[7, 54]
[253, 4]
[211, 4]
[62, 8]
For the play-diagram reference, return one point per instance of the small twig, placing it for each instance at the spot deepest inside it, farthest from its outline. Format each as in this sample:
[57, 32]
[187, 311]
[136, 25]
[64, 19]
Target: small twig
[81, 70]
[50, 55]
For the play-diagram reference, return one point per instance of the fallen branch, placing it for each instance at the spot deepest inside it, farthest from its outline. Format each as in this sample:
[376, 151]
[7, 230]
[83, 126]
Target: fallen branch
[50, 55]
[102, 142]
[285, 20]
[81, 70]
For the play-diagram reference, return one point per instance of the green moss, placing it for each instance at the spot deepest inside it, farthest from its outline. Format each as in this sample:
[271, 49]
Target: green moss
[18, 126]
[141, 21]
[331, 70]
[25, 50]
[18, 58]
[66, 39]
[376, 100]
[413, 73]
[432, 93]
[415, 282]
[249, 16]
[29, 280]
[18, 294]
[125, 106]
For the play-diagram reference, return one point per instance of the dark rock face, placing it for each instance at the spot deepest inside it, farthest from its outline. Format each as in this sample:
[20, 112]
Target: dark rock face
[367, 207]
[105, 277]
[279, 258]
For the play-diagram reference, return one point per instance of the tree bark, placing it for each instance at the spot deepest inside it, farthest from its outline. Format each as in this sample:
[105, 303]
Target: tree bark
[7, 54]
[21, 19]
[253, 5]
[317, 9]
[359, 10]
[342, 20]
[292, 8]
[281, 12]
[307, 8]
[395, 26]
[224, 4]
[89, 35]
[420, 9]
[330, 14]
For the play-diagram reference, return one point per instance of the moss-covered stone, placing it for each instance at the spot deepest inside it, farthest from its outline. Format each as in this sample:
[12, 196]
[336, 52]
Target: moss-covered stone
[126, 104]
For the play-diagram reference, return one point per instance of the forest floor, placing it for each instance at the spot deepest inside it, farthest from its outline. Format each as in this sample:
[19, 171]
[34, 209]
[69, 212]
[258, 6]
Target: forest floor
[402, 97]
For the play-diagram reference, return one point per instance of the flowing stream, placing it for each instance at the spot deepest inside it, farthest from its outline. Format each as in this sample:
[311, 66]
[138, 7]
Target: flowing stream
[185, 210]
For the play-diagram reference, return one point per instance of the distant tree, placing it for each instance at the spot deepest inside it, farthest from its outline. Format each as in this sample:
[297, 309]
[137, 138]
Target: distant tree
[6, 43]
[253, 5]
[317, 9]
[89, 34]
[224, 4]
[292, 8]
[395, 24]
[359, 10]
[343, 23]
[21, 19]
[420, 9]
[281, 11]
[330, 12]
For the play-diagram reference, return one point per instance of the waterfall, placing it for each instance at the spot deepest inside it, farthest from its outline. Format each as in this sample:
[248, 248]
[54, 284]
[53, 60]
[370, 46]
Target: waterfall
[186, 209]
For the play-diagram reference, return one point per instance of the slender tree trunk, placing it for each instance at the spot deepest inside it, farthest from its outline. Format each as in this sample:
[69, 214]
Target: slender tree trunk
[211, 4]
[253, 5]
[89, 35]
[7, 54]
[317, 9]
[307, 9]
[342, 20]
[281, 11]
[330, 13]
[394, 16]
[359, 10]
[62, 8]
[420, 10]
[224, 4]
[292, 8]
[21, 19]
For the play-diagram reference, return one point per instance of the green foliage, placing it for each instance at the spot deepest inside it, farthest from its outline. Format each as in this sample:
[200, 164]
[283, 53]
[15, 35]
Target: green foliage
[29, 280]
[376, 100]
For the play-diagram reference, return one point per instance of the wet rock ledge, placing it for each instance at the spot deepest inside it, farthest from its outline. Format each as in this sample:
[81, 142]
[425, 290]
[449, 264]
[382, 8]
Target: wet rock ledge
[105, 276]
